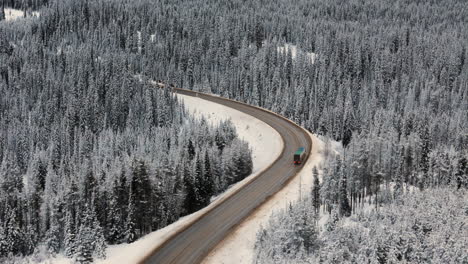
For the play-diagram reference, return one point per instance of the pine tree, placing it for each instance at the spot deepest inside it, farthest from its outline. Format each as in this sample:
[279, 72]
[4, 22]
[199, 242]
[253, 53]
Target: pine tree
[90, 241]
[462, 172]
[114, 223]
[344, 207]
[142, 193]
[118, 203]
[84, 250]
[4, 246]
[425, 148]
[209, 184]
[130, 232]
[100, 245]
[70, 235]
[190, 189]
[89, 185]
[219, 139]
[332, 221]
[316, 191]
[259, 35]
[200, 191]
[53, 234]
[2, 12]
[190, 74]
[85, 240]
[190, 150]
[12, 233]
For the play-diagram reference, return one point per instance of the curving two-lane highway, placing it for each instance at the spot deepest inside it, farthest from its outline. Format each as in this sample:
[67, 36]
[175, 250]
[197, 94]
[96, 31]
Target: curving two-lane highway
[194, 242]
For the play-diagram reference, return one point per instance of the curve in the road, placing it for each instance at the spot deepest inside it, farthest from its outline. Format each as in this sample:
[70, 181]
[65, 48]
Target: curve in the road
[195, 241]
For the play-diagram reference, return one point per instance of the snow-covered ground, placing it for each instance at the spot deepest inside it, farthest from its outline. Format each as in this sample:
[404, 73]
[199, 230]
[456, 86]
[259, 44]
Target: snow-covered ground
[239, 246]
[13, 14]
[266, 145]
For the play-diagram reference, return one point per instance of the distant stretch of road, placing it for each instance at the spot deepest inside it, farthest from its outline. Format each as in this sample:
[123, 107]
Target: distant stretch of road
[193, 243]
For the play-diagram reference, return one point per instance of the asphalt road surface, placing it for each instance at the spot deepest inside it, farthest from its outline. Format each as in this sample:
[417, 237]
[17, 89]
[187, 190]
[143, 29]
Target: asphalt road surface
[194, 242]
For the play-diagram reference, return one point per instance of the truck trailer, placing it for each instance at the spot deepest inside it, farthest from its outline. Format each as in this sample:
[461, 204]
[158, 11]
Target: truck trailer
[299, 155]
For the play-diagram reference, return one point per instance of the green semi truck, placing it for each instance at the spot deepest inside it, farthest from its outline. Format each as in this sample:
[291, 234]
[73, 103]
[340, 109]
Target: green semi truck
[299, 155]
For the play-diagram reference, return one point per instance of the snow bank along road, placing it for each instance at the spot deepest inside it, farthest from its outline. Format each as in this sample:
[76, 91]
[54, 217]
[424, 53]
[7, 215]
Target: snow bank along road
[195, 241]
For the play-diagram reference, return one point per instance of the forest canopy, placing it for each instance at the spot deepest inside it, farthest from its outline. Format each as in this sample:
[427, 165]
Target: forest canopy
[389, 80]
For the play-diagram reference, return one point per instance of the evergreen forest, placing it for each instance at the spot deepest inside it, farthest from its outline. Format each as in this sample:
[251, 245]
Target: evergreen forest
[82, 128]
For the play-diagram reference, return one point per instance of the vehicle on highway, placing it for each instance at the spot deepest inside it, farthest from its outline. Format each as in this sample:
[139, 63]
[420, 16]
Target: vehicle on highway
[299, 155]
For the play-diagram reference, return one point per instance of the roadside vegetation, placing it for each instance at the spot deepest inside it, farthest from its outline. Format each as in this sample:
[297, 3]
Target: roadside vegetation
[417, 227]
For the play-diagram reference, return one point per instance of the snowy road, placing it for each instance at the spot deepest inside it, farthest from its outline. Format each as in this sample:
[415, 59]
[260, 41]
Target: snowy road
[194, 242]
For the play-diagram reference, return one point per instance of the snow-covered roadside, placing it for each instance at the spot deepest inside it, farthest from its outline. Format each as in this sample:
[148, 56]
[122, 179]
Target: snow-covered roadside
[266, 145]
[239, 246]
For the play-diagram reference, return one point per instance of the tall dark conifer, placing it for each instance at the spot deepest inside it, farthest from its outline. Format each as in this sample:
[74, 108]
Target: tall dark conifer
[316, 191]
[344, 207]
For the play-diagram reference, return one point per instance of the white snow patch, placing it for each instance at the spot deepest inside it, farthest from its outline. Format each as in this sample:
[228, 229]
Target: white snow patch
[139, 41]
[58, 259]
[40, 256]
[266, 145]
[13, 14]
[331, 148]
[238, 247]
[294, 50]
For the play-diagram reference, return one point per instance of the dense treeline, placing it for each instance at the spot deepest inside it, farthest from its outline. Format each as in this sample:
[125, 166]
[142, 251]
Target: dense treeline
[383, 82]
[90, 152]
[389, 80]
[419, 227]
[23, 4]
